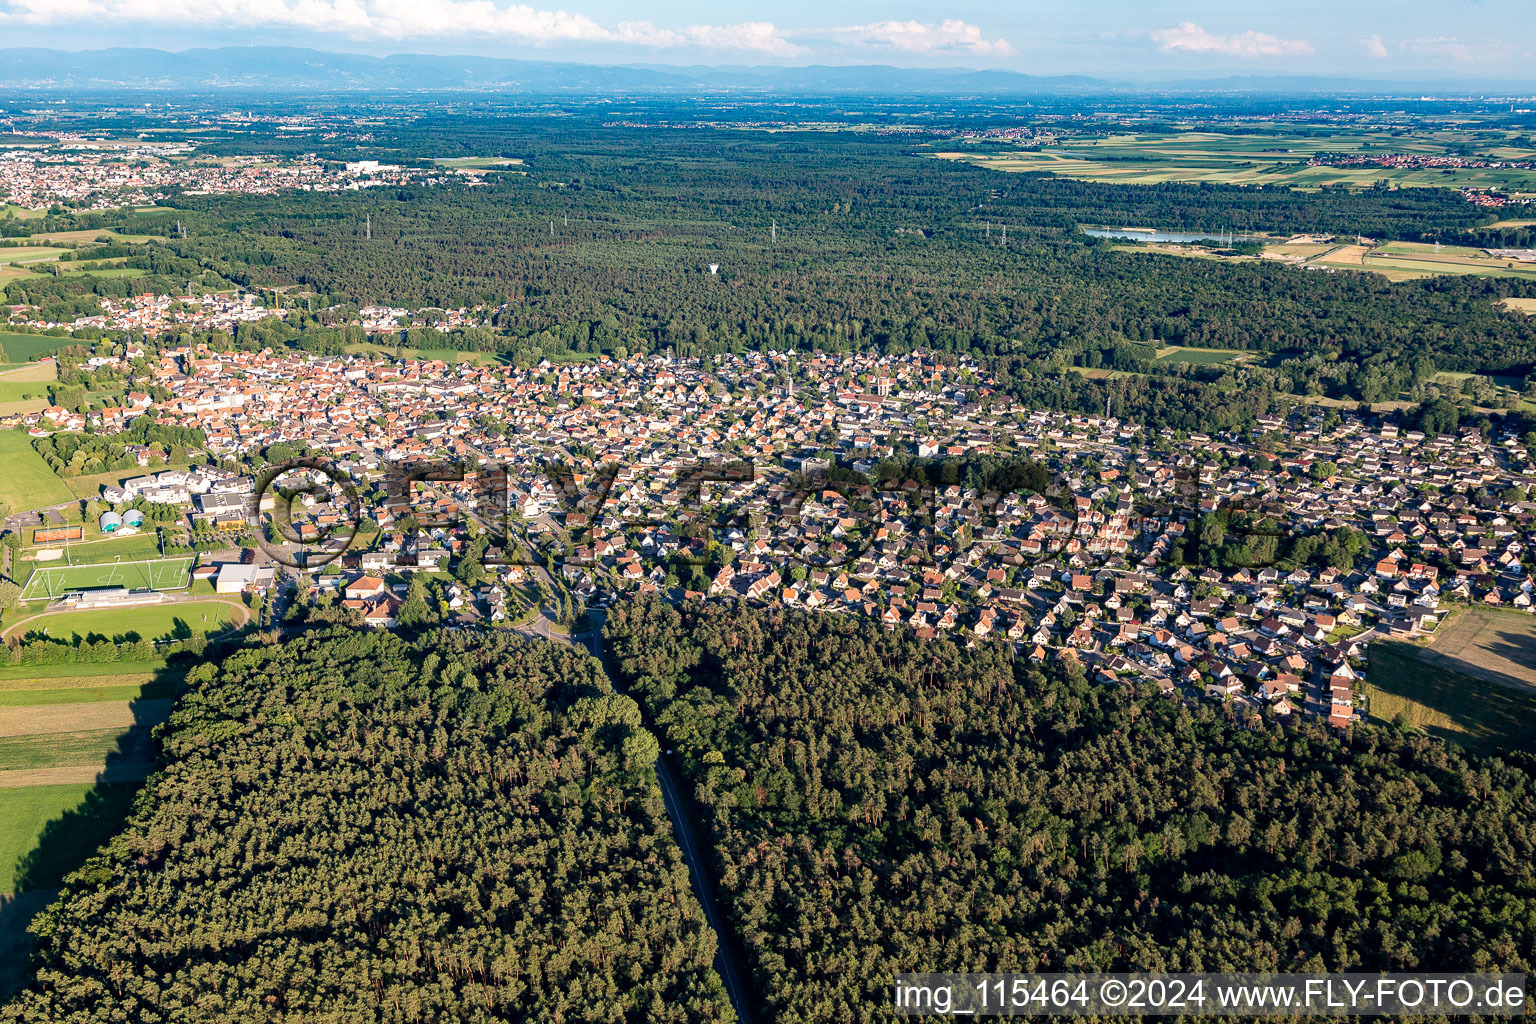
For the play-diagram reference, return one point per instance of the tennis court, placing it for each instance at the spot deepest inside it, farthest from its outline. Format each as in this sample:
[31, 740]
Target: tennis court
[45, 584]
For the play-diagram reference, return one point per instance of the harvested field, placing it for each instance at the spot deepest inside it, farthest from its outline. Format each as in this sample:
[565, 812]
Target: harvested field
[1353, 255]
[116, 714]
[1488, 643]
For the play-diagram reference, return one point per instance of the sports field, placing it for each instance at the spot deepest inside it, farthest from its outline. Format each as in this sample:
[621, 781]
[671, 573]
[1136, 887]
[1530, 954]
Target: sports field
[49, 582]
[175, 620]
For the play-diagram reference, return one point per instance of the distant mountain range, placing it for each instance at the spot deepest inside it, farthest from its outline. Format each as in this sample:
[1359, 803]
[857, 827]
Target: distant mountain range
[291, 69]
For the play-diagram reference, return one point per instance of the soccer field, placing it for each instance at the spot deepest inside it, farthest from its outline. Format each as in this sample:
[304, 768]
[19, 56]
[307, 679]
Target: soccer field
[55, 581]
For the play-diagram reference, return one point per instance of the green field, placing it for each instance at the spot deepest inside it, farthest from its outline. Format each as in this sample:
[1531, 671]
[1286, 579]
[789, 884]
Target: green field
[78, 675]
[145, 622]
[1480, 715]
[64, 723]
[1204, 356]
[26, 482]
[19, 390]
[26, 348]
[59, 750]
[477, 162]
[48, 696]
[97, 547]
[48, 831]
[48, 582]
[12, 254]
[447, 355]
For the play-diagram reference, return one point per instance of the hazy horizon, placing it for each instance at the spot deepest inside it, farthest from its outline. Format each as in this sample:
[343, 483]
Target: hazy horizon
[1369, 39]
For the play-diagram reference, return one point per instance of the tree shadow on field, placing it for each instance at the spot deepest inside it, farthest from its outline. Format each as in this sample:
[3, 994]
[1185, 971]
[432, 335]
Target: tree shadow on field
[1515, 649]
[65, 843]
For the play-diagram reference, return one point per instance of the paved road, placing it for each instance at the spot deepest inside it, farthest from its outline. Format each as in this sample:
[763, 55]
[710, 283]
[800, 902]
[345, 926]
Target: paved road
[726, 962]
[725, 956]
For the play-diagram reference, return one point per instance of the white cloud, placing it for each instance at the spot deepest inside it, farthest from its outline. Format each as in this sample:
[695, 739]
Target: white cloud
[757, 36]
[949, 36]
[1374, 47]
[1191, 38]
[1447, 46]
[400, 19]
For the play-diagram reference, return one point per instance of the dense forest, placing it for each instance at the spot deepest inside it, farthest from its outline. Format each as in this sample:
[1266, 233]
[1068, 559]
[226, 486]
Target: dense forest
[882, 805]
[353, 827]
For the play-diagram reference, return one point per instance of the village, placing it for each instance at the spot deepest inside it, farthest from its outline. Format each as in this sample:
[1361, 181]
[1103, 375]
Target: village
[759, 477]
[91, 175]
[226, 310]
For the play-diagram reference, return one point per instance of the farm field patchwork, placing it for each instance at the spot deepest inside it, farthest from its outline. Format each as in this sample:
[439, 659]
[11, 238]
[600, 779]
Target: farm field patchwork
[89, 235]
[20, 254]
[58, 750]
[81, 675]
[109, 693]
[1396, 261]
[1193, 156]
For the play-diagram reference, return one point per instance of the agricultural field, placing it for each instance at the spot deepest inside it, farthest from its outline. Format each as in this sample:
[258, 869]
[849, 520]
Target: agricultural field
[27, 348]
[1202, 356]
[1407, 684]
[1195, 156]
[26, 482]
[46, 831]
[1498, 645]
[1396, 261]
[49, 582]
[17, 254]
[1422, 260]
[147, 622]
[76, 741]
[88, 236]
[25, 388]
[1521, 305]
[477, 162]
[29, 373]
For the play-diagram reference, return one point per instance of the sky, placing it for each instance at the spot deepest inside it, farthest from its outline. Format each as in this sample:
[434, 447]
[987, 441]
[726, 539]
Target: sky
[1148, 38]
